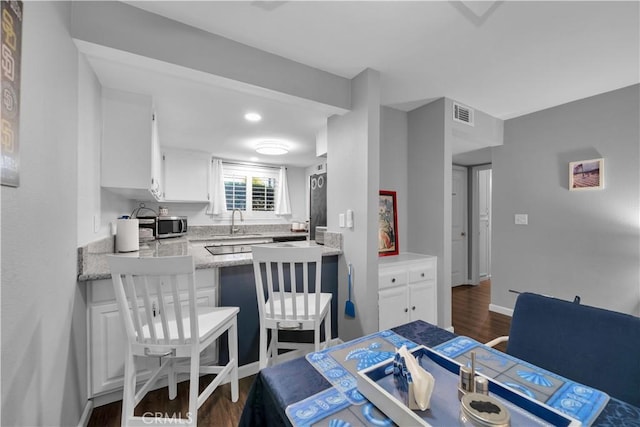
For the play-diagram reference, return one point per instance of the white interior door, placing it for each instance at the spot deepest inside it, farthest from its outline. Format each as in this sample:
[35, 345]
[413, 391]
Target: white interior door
[484, 228]
[459, 241]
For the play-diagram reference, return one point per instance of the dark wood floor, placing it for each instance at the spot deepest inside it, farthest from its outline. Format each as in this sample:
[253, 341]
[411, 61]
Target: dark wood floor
[218, 410]
[470, 316]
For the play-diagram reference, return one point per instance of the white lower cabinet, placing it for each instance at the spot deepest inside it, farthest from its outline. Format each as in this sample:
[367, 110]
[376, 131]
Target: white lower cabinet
[407, 290]
[107, 350]
[107, 338]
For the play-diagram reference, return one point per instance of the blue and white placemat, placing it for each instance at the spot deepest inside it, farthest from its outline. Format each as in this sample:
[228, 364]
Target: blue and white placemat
[340, 364]
[576, 400]
[331, 408]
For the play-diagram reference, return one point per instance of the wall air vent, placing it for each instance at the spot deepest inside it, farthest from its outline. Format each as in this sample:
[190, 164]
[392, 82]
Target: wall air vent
[462, 114]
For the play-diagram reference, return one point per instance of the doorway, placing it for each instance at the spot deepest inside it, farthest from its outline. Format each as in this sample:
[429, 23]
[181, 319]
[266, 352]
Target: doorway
[459, 227]
[471, 224]
[481, 223]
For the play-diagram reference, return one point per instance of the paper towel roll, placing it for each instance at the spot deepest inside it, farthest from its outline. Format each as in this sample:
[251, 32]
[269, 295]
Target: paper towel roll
[127, 238]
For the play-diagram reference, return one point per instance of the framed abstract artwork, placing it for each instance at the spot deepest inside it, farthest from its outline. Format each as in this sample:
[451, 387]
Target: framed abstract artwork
[387, 224]
[586, 174]
[11, 40]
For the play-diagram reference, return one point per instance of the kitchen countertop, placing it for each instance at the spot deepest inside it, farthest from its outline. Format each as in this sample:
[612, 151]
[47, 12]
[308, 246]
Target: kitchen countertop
[92, 259]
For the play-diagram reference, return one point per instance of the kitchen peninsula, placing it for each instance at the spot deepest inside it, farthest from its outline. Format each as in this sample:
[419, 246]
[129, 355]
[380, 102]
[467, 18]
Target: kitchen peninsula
[224, 279]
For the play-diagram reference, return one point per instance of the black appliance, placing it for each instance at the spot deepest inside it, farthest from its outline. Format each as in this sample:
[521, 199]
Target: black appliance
[318, 203]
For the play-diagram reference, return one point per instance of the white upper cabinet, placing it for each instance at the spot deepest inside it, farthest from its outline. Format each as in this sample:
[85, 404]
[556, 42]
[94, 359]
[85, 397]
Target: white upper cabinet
[185, 175]
[127, 156]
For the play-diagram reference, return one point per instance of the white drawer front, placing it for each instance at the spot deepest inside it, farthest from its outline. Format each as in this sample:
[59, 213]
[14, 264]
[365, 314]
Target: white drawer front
[422, 272]
[390, 278]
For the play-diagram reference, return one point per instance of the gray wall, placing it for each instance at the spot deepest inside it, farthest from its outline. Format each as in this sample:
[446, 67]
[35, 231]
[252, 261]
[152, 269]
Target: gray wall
[353, 159]
[429, 193]
[487, 131]
[393, 164]
[583, 243]
[43, 309]
[130, 29]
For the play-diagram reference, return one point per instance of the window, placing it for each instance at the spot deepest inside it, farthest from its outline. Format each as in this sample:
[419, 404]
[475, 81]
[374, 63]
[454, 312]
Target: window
[235, 191]
[250, 188]
[263, 193]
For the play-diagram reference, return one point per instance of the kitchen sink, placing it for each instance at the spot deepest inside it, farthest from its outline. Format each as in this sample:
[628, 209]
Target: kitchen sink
[238, 246]
[241, 243]
[228, 249]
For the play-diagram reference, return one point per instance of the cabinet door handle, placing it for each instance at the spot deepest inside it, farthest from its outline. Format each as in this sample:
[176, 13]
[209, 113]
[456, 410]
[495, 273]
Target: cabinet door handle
[393, 280]
[406, 310]
[421, 274]
[413, 308]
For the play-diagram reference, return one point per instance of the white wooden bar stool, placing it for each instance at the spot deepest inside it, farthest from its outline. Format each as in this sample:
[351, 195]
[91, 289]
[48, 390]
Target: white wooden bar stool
[294, 299]
[157, 303]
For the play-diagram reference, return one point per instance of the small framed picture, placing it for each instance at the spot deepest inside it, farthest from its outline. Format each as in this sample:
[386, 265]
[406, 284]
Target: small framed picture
[387, 224]
[586, 174]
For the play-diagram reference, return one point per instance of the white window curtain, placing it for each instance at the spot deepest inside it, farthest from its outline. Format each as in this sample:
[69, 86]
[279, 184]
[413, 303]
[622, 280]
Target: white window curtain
[283, 205]
[217, 201]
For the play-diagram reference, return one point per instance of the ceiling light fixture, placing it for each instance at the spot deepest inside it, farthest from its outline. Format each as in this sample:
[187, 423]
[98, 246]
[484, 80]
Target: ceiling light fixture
[253, 117]
[272, 148]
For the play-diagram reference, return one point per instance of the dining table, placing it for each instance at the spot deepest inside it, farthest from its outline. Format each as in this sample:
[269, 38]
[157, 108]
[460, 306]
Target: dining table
[278, 387]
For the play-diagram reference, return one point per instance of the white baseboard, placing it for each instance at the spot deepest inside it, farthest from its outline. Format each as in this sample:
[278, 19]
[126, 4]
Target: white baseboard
[449, 328]
[248, 370]
[86, 414]
[501, 310]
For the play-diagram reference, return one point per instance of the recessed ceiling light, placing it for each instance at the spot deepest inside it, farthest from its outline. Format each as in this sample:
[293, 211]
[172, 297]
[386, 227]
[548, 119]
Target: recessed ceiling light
[253, 117]
[272, 148]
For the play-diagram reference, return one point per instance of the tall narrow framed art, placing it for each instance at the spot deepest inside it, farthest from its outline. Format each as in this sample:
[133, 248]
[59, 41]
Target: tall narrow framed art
[387, 224]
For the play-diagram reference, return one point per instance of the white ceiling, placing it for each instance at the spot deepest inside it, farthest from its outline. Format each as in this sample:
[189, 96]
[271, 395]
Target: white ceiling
[503, 58]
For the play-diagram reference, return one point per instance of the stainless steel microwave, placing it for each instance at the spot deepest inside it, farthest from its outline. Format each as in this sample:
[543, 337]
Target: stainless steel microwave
[162, 227]
[171, 226]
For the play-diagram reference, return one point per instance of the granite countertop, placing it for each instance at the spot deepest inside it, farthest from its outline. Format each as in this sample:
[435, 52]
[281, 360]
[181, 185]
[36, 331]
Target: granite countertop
[92, 259]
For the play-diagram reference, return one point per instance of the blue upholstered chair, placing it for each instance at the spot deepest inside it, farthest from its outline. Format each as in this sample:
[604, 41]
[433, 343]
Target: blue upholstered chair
[592, 346]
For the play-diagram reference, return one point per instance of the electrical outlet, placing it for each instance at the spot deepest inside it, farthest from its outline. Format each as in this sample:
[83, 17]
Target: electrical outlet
[522, 219]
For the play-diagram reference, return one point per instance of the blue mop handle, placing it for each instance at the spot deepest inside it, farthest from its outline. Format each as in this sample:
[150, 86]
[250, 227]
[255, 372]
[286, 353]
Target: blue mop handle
[349, 281]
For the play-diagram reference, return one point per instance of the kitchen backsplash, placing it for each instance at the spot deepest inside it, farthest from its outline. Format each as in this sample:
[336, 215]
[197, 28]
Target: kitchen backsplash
[205, 231]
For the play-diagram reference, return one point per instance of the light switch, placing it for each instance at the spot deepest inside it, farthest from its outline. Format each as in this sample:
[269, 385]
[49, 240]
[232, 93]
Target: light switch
[522, 219]
[341, 220]
[349, 218]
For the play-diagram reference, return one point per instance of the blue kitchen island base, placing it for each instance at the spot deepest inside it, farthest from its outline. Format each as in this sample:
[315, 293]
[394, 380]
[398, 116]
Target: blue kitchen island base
[237, 288]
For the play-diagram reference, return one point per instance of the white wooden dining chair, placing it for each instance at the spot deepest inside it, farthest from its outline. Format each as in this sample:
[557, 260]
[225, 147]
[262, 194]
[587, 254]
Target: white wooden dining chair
[294, 301]
[157, 302]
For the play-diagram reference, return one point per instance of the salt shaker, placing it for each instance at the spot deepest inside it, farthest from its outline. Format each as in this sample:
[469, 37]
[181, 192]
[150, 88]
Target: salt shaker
[481, 385]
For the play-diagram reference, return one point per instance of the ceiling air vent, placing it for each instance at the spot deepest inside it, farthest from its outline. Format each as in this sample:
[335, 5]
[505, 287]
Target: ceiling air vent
[462, 114]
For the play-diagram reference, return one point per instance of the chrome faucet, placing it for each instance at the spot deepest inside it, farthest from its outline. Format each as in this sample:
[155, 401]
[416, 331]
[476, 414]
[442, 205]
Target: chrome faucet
[233, 216]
